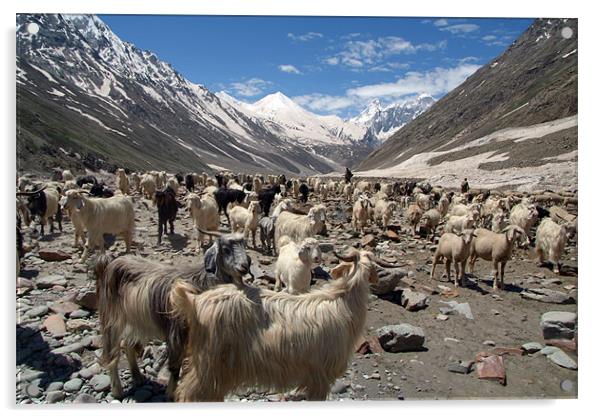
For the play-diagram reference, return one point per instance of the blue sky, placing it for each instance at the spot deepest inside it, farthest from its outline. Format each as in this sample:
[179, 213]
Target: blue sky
[328, 65]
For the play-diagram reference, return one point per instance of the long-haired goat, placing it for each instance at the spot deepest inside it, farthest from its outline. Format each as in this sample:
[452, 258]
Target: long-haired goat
[134, 303]
[299, 227]
[246, 337]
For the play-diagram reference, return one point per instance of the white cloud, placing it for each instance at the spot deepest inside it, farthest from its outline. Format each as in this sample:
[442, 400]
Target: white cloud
[288, 68]
[489, 38]
[250, 87]
[460, 28]
[308, 36]
[365, 53]
[434, 82]
[440, 22]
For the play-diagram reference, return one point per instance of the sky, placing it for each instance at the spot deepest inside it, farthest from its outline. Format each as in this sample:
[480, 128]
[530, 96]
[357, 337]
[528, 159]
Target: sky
[328, 65]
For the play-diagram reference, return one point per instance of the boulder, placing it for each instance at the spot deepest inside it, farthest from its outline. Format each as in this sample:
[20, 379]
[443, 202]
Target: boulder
[53, 255]
[47, 282]
[558, 325]
[401, 338]
[548, 296]
[413, 301]
[55, 325]
[387, 281]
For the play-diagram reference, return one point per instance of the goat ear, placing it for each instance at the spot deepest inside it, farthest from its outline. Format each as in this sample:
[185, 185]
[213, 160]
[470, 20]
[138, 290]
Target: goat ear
[341, 270]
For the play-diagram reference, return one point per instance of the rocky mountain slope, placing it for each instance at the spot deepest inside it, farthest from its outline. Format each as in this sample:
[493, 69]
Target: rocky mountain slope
[87, 99]
[512, 122]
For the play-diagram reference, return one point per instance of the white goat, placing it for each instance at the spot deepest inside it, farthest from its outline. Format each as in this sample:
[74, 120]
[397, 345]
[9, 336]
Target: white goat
[299, 227]
[550, 240]
[204, 213]
[294, 264]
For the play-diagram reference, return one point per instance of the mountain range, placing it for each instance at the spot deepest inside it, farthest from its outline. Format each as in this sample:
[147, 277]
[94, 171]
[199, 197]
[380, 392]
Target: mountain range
[87, 99]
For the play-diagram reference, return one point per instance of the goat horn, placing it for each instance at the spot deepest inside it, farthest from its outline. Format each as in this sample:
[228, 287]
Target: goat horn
[210, 233]
[31, 193]
[348, 258]
[383, 263]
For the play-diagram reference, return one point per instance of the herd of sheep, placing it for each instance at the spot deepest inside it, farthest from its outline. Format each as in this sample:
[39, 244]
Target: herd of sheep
[223, 334]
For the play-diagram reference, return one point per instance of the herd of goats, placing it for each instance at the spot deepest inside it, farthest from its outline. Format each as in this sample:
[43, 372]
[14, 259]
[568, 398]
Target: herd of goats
[224, 335]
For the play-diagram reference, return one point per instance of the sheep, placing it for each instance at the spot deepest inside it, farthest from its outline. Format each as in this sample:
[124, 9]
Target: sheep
[361, 213]
[294, 264]
[458, 224]
[383, 212]
[204, 213]
[430, 220]
[44, 203]
[122, 181]
[245, 220]
[413, 214]
[256, 338]
[68, 176]
[299, 227]
[135, 180]
[494, 247]
[424, 201]
[454, 248]
[134, 304]
[443, 205]
[148, 185]
[524, 216]
[498, 222]
[114, 215]
[550, 240]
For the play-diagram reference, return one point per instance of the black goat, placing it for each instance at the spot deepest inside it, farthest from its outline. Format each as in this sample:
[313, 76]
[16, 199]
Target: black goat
[266, 198]
[189, 181]
[303, 191]
[38, 205]
[224, 197]
[220, 180]
[377, 187]
[81, 180]
[167, 208]
[101, 190]
[409, 187]
[180, 178]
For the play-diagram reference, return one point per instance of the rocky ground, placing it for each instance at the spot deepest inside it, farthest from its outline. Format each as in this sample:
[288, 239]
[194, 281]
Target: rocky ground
[437, 332]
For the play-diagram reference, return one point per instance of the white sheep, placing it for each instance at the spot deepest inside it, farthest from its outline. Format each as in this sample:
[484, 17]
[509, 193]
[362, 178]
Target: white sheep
[295, 263]
[454, 248]
[550, 240]
[430, 220]
[383, 212]
[204, 213]
[457, 224]
[114, 215]
[122, 181]
[524, 215]
[246, 220]
[361, 213]
[496, 248]
[299, 227]
[413, 214]
[245, 337]
[148, 185]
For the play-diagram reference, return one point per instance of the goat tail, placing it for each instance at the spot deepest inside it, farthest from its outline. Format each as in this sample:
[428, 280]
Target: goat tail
[181, 299]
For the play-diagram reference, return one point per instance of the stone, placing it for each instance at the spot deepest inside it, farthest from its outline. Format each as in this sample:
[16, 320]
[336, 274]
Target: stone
[548, 350]
[100, 382]
[491, 367]
[567, 345]
[48, 281]
[79, 325]
[370, 344]
[563, 360]
[28, 375]
[73, 385]
[387, 281]
[54, 386]
[558, 325]
[441, 317]
[392, 235]
[463, 367]
[87, 300]
[54, 396]
[85, 398]
[23, 283]
[326, 247]
[53, 255]
[489, 342]
[70, 348]
[369, 240]
[55, 325]
[33, 391]
[532, 347]
[63, 307]
[339, 387]
[413, 301]
[80, 313]
[37, 311]
[459, 308]
[500, 351]
[142, 395]
[401, 338]
[548, 296]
